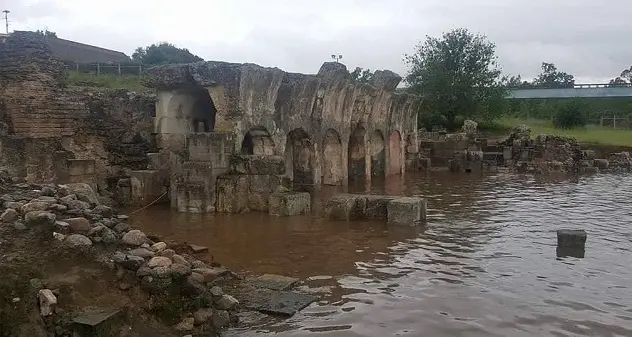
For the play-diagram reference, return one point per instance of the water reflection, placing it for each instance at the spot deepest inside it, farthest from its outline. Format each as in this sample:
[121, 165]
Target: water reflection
[485, 264]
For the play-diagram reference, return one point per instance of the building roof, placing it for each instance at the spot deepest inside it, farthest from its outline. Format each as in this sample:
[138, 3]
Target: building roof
[71, 51]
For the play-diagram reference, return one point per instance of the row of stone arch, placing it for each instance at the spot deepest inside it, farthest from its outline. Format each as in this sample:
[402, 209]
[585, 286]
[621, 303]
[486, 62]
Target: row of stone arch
[332, 162]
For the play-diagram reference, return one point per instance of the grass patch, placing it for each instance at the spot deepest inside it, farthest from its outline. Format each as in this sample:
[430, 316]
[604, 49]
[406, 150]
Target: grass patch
[588, 134]
[127, 82]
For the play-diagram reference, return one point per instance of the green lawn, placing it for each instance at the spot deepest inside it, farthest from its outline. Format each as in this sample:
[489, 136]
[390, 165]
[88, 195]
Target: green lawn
[128, 82]
[588, 135]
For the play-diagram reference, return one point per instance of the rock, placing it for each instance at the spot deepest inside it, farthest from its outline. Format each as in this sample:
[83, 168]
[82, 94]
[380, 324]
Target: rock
[202, 316]
[132, 262]
[180, 260]
[122, 227]
[159, 261]
[198, 264]
[407, 211]
[227, 302]
[198, 249]
[285, 303]
[47, 302]
[99, 323]
[192, 287]
[273, 282]
[143, 271]
[77, 241]
[96, 230]
[77, 205]
[108, 236]
[9, 215]
[345, 207]
[122, 217]
[211, 274]
[196, 277]
[48, 191]
[185, 325]
[59, 208]
[64, 200]
[167, 253]
[83, 192]
[49, 200]
[34, 206]
[19, 226]
[154, 285]
[289, 203]
[216, 292]
[103, 211]
[40, 218]
[159, 247]
[469, 126]
[142, 252]
[161, 272]
[180, 270]
[602, 164]
[134, 238]
[59, 237]
[125, 286]
[13, 205]
[221, 318]
[79, 225]
[109, 223]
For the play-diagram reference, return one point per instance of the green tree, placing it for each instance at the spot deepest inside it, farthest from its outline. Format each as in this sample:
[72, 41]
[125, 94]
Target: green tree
[552, 78]
[457, 76]
[164, 53]
[626, 75]
[361, 75]
[46, 33]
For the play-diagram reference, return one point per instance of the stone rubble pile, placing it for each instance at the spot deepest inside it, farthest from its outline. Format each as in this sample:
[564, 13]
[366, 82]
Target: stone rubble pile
[72, 215]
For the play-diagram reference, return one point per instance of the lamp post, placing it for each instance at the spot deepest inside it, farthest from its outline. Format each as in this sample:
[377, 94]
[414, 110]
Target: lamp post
[6, 19]
[336, 58]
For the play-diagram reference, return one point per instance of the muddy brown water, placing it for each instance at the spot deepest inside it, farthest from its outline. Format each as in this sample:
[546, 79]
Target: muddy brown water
[484, 264]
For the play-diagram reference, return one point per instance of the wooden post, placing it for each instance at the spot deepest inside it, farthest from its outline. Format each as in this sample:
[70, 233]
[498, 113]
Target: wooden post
[614, 121]
[119, 69]
[98, 69]
[601, 121]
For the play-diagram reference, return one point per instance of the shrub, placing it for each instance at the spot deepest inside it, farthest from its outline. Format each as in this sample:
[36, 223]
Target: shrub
[570, 115]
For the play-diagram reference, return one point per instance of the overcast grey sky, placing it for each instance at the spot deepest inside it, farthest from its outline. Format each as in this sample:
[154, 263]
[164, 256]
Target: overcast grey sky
[587, 38]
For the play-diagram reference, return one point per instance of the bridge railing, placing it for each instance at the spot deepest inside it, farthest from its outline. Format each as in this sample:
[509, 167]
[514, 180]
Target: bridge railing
[578, 86]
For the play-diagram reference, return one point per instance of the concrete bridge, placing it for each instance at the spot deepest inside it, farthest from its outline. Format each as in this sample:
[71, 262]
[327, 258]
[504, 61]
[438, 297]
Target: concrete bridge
[579, 91]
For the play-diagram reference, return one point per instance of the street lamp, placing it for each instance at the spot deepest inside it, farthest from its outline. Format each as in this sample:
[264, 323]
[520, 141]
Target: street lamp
[336, 58]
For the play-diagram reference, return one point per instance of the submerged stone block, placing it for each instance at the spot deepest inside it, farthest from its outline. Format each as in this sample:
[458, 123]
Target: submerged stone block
[284, 303]
[569, 238]
[344, 207]
[232, 194]
[376, 206]
[257, 165]
[408, 211]
[289, 203]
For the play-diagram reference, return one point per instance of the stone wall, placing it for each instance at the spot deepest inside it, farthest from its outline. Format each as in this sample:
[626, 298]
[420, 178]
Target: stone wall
[48, 131]
[316, 122]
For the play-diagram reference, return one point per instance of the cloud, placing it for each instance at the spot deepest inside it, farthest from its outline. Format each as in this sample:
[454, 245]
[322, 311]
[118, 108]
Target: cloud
[586, 38]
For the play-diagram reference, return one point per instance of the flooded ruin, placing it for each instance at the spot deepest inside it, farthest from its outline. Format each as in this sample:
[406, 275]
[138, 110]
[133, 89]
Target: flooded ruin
[484, 264]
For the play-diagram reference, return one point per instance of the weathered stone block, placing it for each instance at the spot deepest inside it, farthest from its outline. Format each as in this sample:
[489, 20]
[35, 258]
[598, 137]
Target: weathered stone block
[345, 207]
[257, 165]
[232, 194]
[602, 164]
[408, 211]
[569, 238]
[376, 206]
[289, 203]
[146, 186]
[98, 324]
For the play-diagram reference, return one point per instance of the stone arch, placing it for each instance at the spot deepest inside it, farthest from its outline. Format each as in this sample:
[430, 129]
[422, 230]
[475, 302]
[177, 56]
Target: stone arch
[395, 153]
[258, 141]
[300, 158]
[332, 170]
[356, 155]
[378, 154]
[190, 110]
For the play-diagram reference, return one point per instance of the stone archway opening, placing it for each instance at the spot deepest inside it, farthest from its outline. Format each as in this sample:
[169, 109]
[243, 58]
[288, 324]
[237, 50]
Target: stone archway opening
[378, 155]
[194, 110]
[395, 155]
[332, 159]
[356, 155]
[300, 158]
[258, 141]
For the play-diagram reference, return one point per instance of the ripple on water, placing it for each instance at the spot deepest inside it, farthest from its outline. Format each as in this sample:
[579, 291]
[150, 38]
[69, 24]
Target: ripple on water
[484, 265]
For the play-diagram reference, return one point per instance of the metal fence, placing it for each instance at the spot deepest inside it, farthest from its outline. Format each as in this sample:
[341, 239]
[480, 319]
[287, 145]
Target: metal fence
[119, 69]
